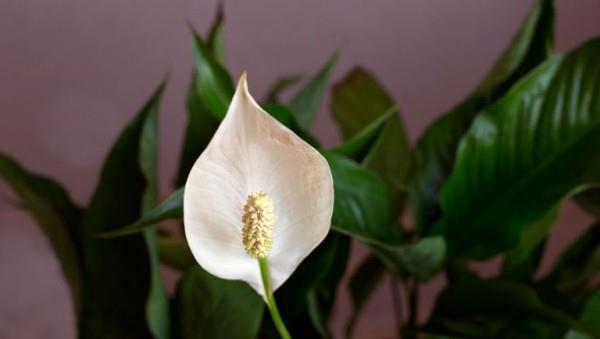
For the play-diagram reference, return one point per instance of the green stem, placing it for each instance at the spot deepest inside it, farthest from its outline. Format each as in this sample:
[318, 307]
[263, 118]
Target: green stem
[264, 273]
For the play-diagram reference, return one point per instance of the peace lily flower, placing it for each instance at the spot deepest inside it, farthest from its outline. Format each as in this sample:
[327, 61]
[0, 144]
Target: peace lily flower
[257, 201]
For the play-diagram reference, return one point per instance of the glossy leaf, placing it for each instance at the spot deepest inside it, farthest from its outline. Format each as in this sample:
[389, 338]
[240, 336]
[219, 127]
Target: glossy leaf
[209, 307]
[358, 101]
[363, 283]
[521, 263]
[214, 85]
[55, 213]
[436, 148]
[543, 135]
[118, 272]
[306, 102]
[362, 207]
[421, 259]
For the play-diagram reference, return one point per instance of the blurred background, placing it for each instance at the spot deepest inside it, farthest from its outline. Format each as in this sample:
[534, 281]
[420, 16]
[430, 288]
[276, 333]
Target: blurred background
[73, 72]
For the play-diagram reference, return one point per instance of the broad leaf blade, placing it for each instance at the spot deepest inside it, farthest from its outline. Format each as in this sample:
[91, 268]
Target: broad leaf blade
[363, 206]
[118, 272]
[436, 148]
[56, 214]
[306, 102]
[209, 307]
[542, 135]
[422, 259]
[359, 101]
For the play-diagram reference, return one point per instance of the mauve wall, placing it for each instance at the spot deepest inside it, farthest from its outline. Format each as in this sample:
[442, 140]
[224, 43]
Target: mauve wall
[72, 72]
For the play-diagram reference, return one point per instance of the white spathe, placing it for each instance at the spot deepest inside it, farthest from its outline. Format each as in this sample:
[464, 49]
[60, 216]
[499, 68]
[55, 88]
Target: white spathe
[252, 152]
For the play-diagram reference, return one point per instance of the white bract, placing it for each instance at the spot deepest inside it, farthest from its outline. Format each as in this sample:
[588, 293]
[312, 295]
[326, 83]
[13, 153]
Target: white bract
[257, 191]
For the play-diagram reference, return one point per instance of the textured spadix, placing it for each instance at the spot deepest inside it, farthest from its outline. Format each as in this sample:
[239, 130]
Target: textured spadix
[251, 152]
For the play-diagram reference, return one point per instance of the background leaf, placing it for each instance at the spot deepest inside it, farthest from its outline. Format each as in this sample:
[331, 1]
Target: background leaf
[543, 134]
[55, 213]
[118, 272]
[306, 102]
[209, 307]
[436, 148]
[214, 85]
[421, 259]
[358, 101]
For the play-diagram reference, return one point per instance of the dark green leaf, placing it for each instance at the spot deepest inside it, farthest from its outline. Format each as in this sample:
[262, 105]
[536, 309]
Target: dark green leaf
[436, 148]
[521, 263]
[157, 307]
[118, 272]
[306, 102]
[589, 319]
[491, 305]
[358, 146]
[421, 259]
[524, 154]
[175, 252]
[214, 85]
[56, 215]
[357, 102]
[209, 307]
[199, 131]
[171, 208]
[363, 282]
[279, 86]
[362, 207]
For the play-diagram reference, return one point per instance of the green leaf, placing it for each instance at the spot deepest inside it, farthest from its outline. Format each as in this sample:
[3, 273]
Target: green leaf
[118, 272]
[494, 304]
[175, 252]
[209, 307]
[362, 206]
[306, 102]
[57, 216]
[302, 287]
[523, 155]
[200, 128]
[214, 86]
[363, 283]
[359, 101]
[577, 266]
[280, 86]
[436, 148]
[588, 319]
[157, 307]
[422, 259]
[359, 146]
[521, 263]
[171, 208]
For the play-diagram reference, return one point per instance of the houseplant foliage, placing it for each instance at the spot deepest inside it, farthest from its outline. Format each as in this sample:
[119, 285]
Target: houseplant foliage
[486, 179]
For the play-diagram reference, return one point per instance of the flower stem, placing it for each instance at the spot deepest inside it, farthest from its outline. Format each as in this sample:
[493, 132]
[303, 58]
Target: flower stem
[266, 279]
